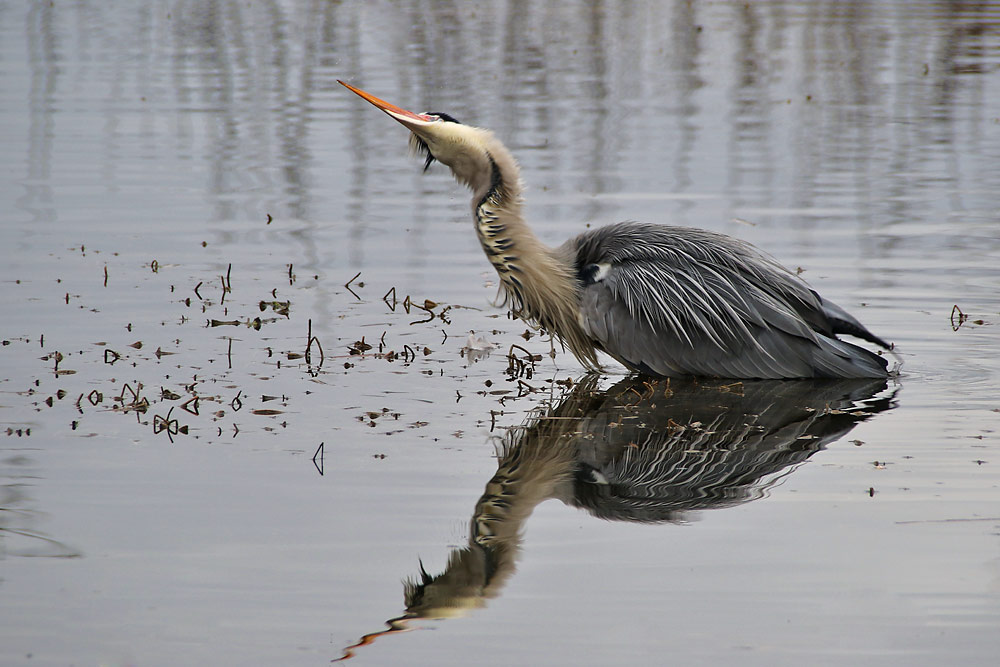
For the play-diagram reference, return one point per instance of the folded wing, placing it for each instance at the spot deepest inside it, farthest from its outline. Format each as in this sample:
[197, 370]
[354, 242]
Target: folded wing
[675, 301]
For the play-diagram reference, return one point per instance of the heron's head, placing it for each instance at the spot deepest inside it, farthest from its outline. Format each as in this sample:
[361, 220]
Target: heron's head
[439, 137]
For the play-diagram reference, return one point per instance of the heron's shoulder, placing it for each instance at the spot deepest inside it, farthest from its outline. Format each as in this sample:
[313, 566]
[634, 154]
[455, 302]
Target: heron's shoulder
[632, 241]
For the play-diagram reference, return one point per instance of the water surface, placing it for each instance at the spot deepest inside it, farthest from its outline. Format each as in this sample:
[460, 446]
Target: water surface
[190, 198]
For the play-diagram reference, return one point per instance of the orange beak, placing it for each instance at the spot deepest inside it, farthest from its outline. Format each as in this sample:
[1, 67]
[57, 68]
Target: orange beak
[407, 118]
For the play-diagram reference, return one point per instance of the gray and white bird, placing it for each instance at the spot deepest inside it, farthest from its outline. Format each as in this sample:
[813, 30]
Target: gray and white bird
[663, 300]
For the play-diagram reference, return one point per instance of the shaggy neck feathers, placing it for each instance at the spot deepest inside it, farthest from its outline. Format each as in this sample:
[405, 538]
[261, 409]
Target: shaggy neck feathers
[538, 285]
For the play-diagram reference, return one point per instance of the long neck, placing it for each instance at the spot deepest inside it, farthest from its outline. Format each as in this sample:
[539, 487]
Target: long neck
[539, 284]
[496, 209]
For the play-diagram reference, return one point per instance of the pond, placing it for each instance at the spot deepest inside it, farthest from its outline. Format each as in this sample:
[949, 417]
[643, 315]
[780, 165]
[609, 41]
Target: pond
[243, 419]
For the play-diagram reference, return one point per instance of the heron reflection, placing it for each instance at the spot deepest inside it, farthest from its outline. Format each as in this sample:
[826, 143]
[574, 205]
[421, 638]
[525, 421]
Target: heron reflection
[649, 452]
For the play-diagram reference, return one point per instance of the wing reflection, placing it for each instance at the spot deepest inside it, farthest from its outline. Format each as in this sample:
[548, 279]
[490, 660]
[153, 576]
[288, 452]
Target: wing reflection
[640, 451]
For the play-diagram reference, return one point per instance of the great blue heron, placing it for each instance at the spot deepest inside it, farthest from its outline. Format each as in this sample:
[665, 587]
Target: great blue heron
[664, 301]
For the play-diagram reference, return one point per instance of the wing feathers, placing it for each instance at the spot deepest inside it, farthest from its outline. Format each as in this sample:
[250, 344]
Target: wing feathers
[679, 301]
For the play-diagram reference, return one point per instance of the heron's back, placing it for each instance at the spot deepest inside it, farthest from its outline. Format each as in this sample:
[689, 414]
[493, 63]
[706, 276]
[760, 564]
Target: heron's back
[678, 301]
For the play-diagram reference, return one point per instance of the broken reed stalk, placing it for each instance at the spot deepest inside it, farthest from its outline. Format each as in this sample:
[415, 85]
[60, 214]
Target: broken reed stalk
[309, 341]
[348, 285]
[227, 284]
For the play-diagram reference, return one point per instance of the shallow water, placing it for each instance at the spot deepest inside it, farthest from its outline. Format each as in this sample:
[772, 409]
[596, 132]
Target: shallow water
[189, 196]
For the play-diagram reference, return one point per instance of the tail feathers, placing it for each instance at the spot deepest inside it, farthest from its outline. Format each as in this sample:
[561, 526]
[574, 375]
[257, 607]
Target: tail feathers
[840, 359]
[852, 328]
[842, 322]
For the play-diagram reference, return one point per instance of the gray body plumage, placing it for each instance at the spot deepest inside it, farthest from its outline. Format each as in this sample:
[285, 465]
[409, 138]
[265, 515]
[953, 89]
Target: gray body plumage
[676, 301]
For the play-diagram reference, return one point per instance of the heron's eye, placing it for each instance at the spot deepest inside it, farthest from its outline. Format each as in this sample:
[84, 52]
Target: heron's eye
[437, 115]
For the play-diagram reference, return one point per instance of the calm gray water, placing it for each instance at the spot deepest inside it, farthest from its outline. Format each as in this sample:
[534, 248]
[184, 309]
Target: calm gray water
[187, 194]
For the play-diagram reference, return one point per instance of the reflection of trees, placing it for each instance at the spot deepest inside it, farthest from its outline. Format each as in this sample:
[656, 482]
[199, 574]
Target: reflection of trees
[250, 87]
[649, 452]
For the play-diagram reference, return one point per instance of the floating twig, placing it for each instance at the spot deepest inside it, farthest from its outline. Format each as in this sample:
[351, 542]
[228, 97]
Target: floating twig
[167, 424]
[128, 387]
[524, 388]
[227, 285]
[427, 307]
[517, 367]
[319, 455]
[348, 285]
[385, 298]
[961, 319]
[359, 347]
[191, 405]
